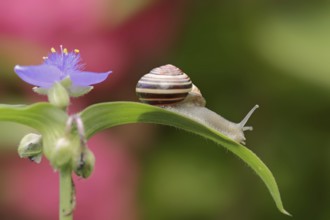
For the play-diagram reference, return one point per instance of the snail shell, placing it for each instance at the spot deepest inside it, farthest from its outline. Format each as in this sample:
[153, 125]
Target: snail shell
[164, 85]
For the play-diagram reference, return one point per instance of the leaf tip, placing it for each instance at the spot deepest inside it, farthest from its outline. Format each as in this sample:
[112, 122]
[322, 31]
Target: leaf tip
[285, 212]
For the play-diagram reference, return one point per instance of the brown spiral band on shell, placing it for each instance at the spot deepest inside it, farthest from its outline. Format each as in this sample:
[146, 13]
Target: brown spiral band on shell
[163, 86]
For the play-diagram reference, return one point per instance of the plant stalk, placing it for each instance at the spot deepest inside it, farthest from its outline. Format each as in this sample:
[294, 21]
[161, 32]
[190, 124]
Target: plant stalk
[66, 194]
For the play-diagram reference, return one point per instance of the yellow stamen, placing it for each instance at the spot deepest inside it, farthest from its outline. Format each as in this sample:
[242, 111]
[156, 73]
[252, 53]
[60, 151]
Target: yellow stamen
[65, 51]
[53, 50]
[76, 50]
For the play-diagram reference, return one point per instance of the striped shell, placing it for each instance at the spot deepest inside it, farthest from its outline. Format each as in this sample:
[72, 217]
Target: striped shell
[164, 85]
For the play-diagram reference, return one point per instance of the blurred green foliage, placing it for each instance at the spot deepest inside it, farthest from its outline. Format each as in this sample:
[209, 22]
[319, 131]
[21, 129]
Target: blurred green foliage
[272, 53]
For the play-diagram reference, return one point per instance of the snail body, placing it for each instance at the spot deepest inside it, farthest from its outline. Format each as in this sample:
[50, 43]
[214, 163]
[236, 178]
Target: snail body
[185, 98]
[208, 117]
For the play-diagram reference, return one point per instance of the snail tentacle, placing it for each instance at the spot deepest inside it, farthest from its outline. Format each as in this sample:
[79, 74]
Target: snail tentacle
[247, 117]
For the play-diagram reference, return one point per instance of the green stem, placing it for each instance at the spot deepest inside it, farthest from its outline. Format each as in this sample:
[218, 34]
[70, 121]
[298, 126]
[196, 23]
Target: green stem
[66, 194]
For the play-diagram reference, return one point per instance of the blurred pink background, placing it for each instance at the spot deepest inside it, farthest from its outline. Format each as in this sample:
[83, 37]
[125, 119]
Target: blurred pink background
[127, 38]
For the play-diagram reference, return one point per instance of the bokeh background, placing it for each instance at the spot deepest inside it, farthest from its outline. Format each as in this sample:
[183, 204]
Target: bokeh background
[239, 53]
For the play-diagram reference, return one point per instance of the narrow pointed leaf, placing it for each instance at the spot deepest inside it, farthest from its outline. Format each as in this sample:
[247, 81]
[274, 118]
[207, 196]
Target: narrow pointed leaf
[43, 117]
[105, 115]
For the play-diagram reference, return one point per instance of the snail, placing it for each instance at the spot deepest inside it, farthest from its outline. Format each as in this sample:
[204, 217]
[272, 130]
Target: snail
[170, 88]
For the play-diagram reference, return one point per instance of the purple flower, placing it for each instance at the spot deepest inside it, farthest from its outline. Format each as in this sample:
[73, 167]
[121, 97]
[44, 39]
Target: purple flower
[59, 67]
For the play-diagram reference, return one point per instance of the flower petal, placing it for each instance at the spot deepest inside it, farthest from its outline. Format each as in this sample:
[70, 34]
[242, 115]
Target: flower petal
[41, 75]
[82, 78]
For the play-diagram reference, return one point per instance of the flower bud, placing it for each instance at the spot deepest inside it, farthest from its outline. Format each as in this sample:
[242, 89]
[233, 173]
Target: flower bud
[62, 153]
[58, 95]
[31, 147]
[84, 165]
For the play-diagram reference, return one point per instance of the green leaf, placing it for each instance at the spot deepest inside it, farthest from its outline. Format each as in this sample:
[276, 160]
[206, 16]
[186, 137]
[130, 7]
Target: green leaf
[43, 117]
[105, 115]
